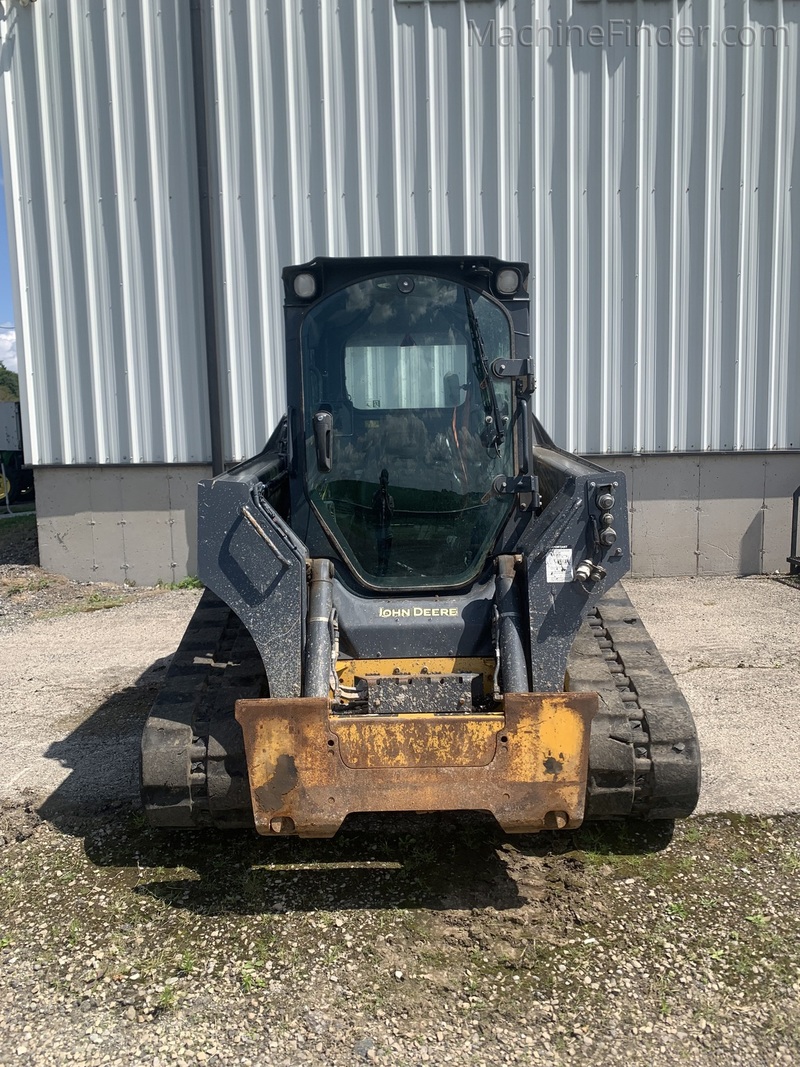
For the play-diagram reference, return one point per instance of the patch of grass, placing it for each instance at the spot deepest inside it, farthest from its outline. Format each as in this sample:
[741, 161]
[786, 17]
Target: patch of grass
[94, 602]
[758, 920]
[263, 947]
[166, 998]
[708, 902]
[609, 844]
[439, 957]
[101, 602]
[191, 581]
[250, 977]
[187, 963]
[33, 585]
[17, 523]
[138, 822]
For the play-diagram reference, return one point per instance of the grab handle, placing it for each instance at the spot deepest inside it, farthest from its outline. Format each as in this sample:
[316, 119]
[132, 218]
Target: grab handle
[323, 440]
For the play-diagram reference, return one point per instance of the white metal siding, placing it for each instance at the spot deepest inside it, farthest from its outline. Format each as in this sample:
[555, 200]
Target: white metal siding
[101, 190]
[650, 187]
[653, 189]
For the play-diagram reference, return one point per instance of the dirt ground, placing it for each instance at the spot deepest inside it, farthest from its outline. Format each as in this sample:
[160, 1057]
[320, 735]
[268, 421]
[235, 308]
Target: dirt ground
[18, 539]
[734, 646]
[402, 941]
[406, 940]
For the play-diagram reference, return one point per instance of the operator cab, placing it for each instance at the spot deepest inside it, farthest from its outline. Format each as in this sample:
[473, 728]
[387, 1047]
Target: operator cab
[406, 428]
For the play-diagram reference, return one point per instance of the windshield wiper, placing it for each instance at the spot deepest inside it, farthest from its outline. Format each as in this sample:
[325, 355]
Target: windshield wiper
[494, 433]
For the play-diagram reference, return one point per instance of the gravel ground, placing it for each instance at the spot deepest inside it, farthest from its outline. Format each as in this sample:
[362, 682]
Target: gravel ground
[81, 666]
[421, 940]
[406, 940]
[734, 646]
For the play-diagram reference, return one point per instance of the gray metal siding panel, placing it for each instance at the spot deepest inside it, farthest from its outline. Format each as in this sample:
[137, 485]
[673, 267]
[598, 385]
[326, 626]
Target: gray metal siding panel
[102, 181]
[653, 189]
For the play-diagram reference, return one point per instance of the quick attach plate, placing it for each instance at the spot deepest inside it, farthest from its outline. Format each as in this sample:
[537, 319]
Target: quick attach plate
[527, 764]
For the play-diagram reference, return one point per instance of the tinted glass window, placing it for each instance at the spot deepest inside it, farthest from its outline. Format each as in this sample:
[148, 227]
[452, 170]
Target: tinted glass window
[419, 427]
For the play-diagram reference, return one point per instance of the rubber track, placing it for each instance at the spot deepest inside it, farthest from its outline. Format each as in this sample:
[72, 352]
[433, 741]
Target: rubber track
[644, 757]
[193, 770]
[644, 716]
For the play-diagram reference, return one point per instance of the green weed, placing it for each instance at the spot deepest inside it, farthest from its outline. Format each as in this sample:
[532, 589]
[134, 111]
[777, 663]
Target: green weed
[758, 920]
[187, 963]
[33, 585]
[166, 998]
[250, 978]
[96, 602]
[191, 581]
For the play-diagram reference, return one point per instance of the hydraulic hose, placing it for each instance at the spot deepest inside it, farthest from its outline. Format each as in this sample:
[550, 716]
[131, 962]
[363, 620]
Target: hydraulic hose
[318, 630]
[513, 667]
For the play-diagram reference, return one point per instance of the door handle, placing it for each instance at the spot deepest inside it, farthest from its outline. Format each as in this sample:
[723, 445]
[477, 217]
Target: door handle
[323, 440]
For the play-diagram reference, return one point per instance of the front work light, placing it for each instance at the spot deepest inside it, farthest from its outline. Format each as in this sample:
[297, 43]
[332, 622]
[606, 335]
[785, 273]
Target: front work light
[305, 285]
[507, 282]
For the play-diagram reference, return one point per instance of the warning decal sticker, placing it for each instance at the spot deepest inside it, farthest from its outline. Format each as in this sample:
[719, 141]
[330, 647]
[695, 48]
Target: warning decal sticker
[559, 564]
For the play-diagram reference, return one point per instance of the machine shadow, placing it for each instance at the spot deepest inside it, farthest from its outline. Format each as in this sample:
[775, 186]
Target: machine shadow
[452, 861]
[458, 861]
[100, 747]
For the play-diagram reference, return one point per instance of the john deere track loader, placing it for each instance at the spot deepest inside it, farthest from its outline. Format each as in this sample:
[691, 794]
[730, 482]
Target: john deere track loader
[411, 593]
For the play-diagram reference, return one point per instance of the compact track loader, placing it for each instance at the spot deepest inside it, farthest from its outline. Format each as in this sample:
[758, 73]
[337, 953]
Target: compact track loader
[411, 593]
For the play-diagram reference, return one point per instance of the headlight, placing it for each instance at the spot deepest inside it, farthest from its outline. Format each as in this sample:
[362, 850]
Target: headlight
[507, 282]
[305, 285]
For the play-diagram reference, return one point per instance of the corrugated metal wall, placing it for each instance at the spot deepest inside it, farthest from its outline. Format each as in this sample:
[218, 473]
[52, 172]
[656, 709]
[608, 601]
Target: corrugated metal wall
[101, 191]
[648, 169]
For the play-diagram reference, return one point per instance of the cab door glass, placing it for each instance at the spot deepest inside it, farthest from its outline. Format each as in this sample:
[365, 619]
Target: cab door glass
[406, 428]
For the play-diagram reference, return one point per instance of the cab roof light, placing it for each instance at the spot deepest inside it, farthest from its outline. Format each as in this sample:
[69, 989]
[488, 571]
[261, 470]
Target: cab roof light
[305, 285]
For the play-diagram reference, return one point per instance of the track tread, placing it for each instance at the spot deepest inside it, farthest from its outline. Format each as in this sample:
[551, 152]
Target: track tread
[664, 747]
[192, 765]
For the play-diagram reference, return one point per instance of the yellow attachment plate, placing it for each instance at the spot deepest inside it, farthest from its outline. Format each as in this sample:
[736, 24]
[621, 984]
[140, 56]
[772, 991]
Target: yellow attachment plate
[417, 740]
[527, 765]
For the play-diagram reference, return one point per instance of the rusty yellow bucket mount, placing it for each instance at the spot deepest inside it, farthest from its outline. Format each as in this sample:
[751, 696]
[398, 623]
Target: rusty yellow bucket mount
[308, 769]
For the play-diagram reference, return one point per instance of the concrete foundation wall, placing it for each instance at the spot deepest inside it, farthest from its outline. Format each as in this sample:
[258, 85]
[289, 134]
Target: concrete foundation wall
[117, 524]
[689, 515]
[716, 513]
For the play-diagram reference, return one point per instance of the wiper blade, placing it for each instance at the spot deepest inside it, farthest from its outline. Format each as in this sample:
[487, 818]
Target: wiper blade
[496, 432]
